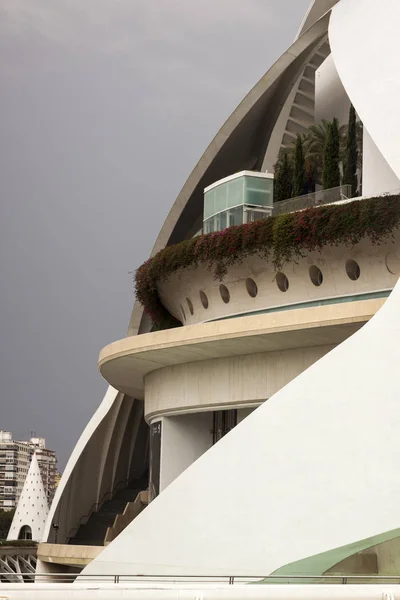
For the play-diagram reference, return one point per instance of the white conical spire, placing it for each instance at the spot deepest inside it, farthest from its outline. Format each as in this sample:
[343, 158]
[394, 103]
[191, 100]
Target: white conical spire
[32, 509]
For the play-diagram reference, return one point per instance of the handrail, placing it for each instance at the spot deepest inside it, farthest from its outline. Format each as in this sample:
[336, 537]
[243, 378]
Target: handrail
[315, 199]
[230, 579]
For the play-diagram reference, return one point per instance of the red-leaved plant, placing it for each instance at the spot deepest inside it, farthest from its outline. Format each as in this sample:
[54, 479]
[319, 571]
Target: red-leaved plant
[280, 239]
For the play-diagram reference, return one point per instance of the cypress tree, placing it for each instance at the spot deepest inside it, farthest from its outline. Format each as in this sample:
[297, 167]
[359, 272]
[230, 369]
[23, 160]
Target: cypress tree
[299, 169]
[283, 179]
[331, 171]
[351, 154]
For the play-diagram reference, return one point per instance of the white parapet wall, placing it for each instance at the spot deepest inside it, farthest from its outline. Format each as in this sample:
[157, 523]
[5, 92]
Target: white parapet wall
[199, 591]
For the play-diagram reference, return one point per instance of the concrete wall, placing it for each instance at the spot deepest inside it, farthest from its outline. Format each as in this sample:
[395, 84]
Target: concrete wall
[225, 382]
[183, 440]
[374, 275]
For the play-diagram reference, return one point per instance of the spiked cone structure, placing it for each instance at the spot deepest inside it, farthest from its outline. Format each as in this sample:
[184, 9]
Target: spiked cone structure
[32, 509]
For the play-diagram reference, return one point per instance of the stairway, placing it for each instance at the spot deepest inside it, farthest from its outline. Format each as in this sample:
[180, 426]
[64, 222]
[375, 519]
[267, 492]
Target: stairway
[93, 532]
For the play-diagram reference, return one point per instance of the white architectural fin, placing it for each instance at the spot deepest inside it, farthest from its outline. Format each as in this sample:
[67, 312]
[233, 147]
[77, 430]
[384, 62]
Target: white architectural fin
[313, 469]
[32, 509]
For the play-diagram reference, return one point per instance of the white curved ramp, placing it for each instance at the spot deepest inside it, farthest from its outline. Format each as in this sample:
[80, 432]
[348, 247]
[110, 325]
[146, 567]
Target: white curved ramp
[71, 481]
[315, 468]
[364, 42]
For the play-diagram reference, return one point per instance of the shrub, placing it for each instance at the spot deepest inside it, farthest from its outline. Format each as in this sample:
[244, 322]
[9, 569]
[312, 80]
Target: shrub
[351, 154]
[18, 543]
[280, 238]
[331, 170]
[299, 169]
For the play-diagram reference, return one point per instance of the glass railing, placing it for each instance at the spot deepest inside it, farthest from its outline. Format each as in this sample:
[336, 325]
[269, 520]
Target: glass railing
[330, 196]
[247, 214]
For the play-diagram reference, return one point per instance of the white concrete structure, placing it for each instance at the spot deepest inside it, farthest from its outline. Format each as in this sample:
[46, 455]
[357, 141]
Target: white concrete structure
[293, 480]
[268, 421]
[31, 513]
[136, 591]
[17, 565]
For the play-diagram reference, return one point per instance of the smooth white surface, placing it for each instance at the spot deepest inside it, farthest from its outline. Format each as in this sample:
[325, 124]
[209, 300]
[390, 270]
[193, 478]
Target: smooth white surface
[364, 43]
[315, 11]
[183, 440]
[32, 508]
[312, 469]
[331, 99]
[199, 591]
[378, 177]
[71, 472]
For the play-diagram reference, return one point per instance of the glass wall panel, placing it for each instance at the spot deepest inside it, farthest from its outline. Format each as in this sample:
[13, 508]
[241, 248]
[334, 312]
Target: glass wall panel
[223, 223]
[209, 204]
[235, 190]
[208, 226]
[258, 191]
[235, 216]
[221, 198]
[228, 203]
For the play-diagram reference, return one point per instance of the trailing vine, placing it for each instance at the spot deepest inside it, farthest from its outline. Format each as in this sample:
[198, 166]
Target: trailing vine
[280, 239]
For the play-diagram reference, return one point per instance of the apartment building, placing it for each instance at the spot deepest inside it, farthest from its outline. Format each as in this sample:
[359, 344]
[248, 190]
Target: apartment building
[15, 457]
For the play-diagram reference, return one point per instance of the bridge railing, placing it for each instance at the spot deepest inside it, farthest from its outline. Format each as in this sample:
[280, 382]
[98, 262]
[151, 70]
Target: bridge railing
[216, 579]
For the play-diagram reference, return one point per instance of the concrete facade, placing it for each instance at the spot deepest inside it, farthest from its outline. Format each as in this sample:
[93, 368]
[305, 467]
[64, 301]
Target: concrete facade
[288, 482]
[253, 285]
[298, 366]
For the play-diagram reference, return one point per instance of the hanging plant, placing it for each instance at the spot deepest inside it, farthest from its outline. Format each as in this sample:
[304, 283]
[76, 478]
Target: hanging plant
[281, 239]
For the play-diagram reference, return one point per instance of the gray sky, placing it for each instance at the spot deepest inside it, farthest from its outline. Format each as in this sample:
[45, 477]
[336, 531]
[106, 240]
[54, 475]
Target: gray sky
[105, 107]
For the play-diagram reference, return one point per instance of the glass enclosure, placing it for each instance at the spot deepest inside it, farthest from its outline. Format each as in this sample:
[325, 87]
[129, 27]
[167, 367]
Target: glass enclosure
[241, 198]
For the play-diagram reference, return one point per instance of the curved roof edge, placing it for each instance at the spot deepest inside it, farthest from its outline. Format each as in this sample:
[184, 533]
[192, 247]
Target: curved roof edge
[315, 11]
[256, 113]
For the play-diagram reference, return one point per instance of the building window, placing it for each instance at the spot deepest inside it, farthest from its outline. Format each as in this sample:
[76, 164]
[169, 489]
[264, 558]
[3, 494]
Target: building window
[352, 269]
[225, 295]
[190, 305]
[203, 298]
[25, 533]
[223, 422]
[316, 275]
[251, 287]
[282, 282]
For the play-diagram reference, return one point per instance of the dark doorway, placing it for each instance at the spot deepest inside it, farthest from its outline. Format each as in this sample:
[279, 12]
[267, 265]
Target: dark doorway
[224, 421]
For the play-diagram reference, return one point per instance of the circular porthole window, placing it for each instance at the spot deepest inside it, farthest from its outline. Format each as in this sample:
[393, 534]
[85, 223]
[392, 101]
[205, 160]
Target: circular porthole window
[203, 299]
[225, 295]
[352, 269]
[251, 287]
[282, 282]
[183, 313]
[316, 275]
[190, 305]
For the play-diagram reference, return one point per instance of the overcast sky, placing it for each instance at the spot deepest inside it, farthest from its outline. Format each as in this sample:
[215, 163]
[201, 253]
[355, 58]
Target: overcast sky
[105, 107]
